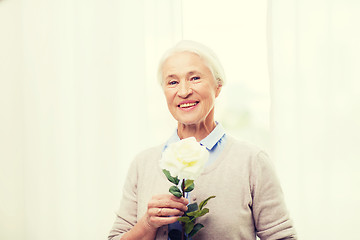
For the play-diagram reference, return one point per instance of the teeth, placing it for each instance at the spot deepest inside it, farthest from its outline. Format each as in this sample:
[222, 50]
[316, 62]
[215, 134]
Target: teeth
[187, 105]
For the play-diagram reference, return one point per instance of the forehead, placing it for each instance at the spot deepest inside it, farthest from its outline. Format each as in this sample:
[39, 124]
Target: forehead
[184, 62]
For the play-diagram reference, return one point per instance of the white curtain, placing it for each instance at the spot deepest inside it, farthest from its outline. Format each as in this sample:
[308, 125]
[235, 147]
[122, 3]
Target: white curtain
[78, 92]
[315, 73]
[76, 78]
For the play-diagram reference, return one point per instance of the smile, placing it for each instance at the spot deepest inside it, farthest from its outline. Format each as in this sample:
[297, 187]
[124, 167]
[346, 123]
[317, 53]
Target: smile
[187, 105]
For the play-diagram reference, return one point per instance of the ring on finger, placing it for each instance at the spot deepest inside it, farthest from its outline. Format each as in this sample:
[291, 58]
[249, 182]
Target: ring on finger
[159, 212]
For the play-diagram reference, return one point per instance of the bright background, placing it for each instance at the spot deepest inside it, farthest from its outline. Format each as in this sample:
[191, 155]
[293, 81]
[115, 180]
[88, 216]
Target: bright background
[79, 98]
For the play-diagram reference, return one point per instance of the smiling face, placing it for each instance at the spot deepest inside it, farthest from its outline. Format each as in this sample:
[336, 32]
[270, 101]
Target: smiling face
[190, 89]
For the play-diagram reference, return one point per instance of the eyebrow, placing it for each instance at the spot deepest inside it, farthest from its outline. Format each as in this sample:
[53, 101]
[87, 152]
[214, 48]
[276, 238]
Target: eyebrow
[187, 74]
[170, 76]
[193, 72]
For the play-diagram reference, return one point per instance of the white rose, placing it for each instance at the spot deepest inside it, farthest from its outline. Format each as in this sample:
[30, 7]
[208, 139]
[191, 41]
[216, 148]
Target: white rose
[185, 159]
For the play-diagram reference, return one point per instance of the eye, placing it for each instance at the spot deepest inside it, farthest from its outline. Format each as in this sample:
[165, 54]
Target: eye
[172, 82]
[194, 78]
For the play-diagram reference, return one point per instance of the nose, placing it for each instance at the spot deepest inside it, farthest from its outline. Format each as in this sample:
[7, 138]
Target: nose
[184, 89]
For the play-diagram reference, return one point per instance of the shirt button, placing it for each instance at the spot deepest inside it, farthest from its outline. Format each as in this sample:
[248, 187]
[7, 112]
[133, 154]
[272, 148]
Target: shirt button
[194, 199]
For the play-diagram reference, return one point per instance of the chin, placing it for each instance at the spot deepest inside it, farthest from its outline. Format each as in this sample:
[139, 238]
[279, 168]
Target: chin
[189, 118]
[187, 121]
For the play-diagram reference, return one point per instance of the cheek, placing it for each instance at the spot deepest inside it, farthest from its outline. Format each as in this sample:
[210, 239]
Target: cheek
[210, 102]
[210, 96]
[169, 96]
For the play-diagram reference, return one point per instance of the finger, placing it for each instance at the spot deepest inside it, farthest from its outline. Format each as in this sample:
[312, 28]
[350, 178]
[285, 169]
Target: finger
[167, 200]
[172, 197]
[180, 200]
[160, 221]
[167, 203]
[164, 212]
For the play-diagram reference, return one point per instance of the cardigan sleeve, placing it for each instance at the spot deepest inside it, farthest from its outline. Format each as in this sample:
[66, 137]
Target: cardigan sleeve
[270, 214]
[126, 216]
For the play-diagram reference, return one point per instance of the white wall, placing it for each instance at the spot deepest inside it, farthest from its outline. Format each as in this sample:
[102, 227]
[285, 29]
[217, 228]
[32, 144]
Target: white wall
[316, 113]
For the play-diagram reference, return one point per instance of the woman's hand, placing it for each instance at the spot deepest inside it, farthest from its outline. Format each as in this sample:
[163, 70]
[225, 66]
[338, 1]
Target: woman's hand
[162, 210]
[165, 209]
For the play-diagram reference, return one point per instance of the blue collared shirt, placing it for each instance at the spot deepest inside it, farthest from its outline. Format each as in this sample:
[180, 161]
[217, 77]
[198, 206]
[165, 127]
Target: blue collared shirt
[214, 143]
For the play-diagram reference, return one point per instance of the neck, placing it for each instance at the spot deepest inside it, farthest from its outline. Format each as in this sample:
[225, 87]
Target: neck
[199, 130]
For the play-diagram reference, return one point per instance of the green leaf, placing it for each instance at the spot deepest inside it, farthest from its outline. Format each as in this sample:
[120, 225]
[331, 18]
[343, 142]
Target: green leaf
[189, 227]
[203, 203]
[198, 213]
[174, 180]
[174, 190]
[193, 214]
[184, 219]
[190, 188]
[192, 207]
[189, 185]
[203, 212]
[196, 228]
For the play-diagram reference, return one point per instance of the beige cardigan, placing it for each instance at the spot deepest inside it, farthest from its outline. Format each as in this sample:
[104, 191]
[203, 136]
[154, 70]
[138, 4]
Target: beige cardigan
[248, 201]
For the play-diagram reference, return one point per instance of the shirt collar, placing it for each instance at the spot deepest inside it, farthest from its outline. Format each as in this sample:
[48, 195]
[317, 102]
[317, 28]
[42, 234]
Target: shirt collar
[214, 137]
[209, 142]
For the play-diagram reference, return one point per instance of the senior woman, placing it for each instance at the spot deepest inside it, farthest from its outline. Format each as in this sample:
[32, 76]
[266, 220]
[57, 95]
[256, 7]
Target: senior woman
[249, 199]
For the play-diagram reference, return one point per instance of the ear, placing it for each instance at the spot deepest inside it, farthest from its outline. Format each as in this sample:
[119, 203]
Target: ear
[218, 89]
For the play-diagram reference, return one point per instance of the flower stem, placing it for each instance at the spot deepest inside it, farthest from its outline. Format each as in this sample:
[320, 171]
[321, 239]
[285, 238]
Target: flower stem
[183, 187]
[183, 224]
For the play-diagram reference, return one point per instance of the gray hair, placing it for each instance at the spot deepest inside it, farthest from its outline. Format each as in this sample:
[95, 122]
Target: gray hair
[205, 53]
